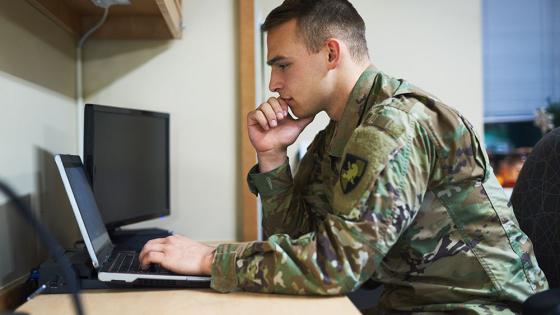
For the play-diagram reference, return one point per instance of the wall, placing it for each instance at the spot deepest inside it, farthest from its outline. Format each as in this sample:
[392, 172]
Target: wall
[435, 44]
[193, 79]
[37, 119]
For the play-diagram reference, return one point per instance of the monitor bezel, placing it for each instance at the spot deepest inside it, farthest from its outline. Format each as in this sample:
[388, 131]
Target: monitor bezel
[89, 150]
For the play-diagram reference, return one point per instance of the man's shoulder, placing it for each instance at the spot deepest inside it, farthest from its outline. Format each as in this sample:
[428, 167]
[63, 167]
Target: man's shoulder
[383, 130]
[394, 116]
[412, 106]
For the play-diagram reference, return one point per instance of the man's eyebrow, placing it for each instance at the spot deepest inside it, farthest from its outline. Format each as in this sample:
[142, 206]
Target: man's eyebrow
[275, 60]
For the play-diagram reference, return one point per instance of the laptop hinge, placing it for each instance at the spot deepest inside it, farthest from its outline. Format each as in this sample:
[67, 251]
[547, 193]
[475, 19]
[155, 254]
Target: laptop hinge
[105, 253]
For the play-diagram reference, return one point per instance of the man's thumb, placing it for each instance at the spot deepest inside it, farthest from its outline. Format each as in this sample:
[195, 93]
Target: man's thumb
[303, 122]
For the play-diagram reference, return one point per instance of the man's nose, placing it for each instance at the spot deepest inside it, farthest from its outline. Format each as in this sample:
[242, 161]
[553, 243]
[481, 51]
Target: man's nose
[274, 85]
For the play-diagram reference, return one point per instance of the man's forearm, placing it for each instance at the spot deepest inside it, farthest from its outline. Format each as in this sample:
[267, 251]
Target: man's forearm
[270, 160]
[281, 213]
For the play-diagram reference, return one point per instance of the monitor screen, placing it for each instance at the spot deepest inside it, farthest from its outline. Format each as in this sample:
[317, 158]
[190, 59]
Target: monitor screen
[126, 155]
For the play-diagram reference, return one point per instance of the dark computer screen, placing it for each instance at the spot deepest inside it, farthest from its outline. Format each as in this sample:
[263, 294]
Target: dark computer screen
[126, 155]
[86, 203]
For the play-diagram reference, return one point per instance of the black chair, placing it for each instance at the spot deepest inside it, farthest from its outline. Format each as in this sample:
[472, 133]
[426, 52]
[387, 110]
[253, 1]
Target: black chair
[543, 303]
[536, 203]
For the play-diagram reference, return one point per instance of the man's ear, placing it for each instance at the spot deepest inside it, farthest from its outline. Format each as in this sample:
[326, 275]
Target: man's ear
[333, 49]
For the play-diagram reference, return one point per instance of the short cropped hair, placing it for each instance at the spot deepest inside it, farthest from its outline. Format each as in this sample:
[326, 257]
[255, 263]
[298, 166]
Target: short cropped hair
[319, 20]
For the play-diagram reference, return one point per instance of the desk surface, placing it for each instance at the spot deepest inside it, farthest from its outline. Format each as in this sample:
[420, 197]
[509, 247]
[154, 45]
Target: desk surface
[188, 301]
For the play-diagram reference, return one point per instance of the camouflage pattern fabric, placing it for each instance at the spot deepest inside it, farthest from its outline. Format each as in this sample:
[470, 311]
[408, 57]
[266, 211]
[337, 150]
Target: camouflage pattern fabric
[401, 191]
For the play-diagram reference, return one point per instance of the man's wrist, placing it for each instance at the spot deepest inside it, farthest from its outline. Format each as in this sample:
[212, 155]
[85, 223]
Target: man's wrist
[271, 159]
[207, 263]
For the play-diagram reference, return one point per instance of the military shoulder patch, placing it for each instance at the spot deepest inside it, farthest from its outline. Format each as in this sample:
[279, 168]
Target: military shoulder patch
[353, 169]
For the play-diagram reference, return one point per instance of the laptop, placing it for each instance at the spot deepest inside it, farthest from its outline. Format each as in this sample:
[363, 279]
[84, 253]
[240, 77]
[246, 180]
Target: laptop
[113, 265]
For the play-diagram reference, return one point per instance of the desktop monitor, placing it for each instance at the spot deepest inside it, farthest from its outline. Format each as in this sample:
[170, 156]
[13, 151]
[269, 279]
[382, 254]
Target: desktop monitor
[126, 157]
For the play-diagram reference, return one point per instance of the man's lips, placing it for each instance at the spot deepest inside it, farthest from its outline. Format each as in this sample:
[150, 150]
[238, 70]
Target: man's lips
[288, 100]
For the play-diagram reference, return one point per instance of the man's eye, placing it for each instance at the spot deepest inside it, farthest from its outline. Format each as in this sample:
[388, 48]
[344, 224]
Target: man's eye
[282, 66]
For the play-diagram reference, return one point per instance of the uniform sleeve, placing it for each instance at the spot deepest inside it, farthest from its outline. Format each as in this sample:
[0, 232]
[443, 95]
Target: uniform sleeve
[383, 178]
[284, 208]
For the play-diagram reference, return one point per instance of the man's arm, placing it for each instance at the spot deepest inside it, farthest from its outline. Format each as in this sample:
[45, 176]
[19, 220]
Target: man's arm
[286, 205]
[348, 245]
[271, 130]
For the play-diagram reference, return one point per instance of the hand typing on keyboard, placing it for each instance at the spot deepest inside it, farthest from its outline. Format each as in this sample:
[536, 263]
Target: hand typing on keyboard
[178, 254]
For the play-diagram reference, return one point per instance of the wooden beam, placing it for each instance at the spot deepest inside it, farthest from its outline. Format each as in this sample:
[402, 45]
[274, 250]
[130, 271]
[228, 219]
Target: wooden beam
[172, 16]
[60, 13]
[128, 27]
[135, 8]
[143, 19]
[247, 98]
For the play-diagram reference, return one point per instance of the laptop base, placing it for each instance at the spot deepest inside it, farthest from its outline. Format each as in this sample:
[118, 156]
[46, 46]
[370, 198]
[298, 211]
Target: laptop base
[50, 274]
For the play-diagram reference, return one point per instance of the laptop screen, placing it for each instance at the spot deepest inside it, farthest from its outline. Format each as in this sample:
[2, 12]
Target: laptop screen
[89, 217]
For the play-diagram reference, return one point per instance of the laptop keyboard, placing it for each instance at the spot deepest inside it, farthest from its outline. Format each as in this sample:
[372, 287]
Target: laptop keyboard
[127, 262]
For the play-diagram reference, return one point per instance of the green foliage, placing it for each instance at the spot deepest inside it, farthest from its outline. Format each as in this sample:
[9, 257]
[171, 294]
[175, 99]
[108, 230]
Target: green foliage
[554, 109]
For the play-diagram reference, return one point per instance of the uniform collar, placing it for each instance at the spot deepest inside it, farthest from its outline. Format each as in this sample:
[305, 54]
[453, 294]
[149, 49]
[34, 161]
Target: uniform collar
[353, 111]
[372, 87]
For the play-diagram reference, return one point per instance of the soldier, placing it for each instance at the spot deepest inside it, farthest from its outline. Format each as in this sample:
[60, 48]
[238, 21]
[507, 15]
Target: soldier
[397, 188]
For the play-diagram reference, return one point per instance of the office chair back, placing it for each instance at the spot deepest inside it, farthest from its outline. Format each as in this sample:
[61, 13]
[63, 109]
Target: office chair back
[536, 203]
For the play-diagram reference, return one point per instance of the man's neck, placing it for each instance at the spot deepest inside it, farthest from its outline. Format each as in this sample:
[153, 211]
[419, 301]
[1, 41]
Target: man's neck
[344, 87]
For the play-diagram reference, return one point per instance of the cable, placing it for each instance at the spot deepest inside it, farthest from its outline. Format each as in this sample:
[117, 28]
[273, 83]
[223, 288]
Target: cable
[79, 80]
[93, 29]
[46, 237]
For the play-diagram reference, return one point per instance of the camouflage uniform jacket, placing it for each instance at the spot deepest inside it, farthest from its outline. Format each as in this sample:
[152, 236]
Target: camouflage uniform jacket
[401, 191]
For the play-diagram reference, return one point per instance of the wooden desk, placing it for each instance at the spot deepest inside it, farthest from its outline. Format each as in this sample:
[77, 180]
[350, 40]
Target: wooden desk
[188, 301]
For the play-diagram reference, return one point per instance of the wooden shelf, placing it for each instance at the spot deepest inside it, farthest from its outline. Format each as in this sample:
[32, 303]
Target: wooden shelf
[142, 19]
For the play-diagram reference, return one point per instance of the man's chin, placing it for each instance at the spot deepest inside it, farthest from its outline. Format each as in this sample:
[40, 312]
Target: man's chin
[300, 115]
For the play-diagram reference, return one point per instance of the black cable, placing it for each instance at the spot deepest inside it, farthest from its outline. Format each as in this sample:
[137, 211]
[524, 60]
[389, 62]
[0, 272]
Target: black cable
[56, 250]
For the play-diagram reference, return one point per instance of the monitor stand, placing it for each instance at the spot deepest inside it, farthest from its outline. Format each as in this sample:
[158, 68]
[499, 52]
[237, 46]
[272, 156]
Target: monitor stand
[134, 239]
